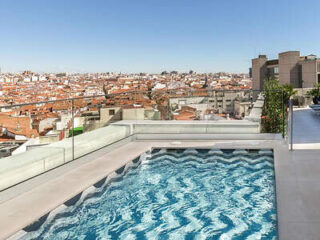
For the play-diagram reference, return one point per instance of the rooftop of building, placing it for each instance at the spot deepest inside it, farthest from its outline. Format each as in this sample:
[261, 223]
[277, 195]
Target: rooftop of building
[296, 175]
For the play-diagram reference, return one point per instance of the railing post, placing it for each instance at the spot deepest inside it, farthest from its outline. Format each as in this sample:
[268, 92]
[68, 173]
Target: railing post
[283, 115]
[291, 124]
[72, 107]
[135, 103]
[169, 95]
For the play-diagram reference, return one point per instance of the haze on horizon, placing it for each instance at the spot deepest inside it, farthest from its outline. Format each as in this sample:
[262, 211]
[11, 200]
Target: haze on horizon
[152, 36]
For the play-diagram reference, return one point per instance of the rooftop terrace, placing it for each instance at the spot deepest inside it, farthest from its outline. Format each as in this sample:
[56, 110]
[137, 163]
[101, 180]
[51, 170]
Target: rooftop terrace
[35, 182]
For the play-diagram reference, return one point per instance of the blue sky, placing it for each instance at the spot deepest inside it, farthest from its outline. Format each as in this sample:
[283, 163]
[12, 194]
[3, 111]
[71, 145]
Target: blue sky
[152, 35]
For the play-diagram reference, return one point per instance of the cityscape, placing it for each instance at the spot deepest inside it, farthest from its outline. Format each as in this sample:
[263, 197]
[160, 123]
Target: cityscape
[51, 121]
[28, 87]
[156, 120]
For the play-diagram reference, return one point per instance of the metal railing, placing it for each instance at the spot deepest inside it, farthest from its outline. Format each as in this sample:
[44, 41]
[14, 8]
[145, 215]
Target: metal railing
[290, 124]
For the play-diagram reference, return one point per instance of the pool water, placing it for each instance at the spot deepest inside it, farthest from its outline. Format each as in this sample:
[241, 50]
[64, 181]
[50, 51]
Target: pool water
[178, 194]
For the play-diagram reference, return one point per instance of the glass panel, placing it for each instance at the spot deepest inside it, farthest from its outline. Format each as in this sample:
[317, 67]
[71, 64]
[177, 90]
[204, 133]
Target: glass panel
[34, 139]
[95, 120]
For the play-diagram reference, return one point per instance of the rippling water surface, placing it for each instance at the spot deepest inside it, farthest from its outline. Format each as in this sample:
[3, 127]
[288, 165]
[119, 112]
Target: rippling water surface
[178, 194]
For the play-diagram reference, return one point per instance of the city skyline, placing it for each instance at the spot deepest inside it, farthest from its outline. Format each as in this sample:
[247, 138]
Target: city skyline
[119, 73]
[122, 36]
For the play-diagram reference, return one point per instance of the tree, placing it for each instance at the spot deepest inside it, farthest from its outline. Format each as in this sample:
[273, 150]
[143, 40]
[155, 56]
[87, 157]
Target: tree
[272, 111]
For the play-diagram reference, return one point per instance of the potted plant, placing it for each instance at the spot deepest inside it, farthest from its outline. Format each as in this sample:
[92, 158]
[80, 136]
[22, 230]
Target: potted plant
[315, 93]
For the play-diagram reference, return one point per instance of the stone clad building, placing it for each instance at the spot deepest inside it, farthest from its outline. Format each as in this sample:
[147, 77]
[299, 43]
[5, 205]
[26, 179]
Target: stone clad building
[289, 68]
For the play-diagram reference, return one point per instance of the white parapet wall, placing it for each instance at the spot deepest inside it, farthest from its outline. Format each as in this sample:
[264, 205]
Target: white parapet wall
[191, 127]
[22, 166]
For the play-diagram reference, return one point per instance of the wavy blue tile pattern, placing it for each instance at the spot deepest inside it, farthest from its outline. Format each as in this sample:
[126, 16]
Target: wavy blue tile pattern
[173, 194]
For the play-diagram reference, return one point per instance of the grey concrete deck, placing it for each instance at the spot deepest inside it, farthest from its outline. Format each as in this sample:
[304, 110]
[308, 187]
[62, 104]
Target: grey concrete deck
[298, 194]
[306, 129]
[297, 185]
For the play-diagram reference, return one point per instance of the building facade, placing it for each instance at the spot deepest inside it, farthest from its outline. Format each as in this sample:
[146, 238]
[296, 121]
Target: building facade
[289, 68]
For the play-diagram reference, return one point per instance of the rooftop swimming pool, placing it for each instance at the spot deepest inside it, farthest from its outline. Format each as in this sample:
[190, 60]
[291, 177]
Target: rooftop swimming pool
[173, 194]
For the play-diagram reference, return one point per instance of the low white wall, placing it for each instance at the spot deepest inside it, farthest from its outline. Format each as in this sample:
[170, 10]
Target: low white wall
[20, 167]
[199, 127]
[17, 168]
[195, 137]
[192, 128]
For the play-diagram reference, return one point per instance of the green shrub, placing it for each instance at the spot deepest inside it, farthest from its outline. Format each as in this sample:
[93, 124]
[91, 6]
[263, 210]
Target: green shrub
[315, 92]
[272, 111]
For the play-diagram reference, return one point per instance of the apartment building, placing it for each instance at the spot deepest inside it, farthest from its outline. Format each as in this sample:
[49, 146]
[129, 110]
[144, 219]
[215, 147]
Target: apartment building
[289, 68]
[220, 102]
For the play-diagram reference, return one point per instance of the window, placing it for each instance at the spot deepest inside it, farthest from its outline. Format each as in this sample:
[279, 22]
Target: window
[111, 112]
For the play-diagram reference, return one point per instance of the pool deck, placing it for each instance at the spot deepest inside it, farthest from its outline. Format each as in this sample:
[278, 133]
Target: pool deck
[306, 129]
[297, 184]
